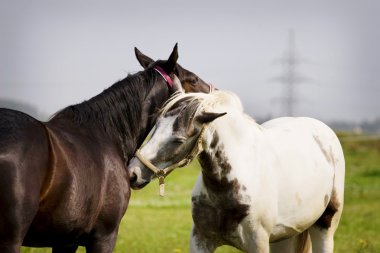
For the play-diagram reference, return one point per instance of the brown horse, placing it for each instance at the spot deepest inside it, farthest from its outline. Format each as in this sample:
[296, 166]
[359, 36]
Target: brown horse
[64, 183]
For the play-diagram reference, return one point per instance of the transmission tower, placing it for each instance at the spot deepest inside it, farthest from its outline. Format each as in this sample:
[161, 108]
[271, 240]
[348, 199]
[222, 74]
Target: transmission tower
[290, 77]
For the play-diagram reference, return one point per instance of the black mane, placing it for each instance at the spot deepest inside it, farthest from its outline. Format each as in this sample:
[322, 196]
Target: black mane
[117, 110]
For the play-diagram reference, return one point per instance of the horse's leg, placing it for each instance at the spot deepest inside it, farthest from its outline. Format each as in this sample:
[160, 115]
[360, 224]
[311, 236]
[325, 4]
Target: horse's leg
[297, 244]
[18, 206]
[322, 232]
[200, 244]
[323, 238]
[68, 249]
[284, 246]
[102, 245]
[15, 219]
[10, 225]
[10, 248]
[256, 241]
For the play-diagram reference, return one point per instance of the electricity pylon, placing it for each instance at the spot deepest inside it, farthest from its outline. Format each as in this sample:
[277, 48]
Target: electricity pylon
[290, 77]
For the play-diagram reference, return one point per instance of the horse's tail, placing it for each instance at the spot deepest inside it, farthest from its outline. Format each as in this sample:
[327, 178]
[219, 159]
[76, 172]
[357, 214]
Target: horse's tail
[303, 242]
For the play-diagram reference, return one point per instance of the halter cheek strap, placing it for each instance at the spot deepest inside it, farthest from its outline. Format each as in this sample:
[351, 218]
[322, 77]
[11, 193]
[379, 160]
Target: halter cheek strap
[162, 173]
[211, 88]
[164, 75]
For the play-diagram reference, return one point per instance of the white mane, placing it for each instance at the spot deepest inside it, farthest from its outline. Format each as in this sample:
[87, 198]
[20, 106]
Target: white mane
[216, 101]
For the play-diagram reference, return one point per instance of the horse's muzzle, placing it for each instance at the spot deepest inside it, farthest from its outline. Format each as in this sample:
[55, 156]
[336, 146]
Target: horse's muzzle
[136, 180]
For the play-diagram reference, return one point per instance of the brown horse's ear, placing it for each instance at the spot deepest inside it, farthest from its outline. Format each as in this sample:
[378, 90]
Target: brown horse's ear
[207, 117]
[172, 60]
[144, 60]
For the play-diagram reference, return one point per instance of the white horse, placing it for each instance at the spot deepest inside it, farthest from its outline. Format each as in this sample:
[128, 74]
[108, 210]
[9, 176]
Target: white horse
[266, 186]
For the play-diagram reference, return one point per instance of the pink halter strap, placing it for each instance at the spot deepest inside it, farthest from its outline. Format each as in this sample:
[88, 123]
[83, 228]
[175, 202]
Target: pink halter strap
[164, 75]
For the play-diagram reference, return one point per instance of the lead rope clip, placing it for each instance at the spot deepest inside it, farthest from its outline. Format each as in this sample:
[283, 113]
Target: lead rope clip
[161, 182]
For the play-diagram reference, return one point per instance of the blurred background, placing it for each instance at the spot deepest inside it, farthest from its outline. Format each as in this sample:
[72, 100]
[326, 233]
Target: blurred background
[301, 58]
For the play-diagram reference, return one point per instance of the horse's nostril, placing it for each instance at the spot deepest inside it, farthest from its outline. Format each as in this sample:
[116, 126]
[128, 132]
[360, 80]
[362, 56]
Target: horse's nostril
[133, 178]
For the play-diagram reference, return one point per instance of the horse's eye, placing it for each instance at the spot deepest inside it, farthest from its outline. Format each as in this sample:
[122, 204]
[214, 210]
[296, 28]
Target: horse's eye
[179, 139]
[191, 81]
[194, 81]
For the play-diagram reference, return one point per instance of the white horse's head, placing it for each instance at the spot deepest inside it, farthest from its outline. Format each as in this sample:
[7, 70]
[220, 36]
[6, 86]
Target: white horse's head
[178, 134]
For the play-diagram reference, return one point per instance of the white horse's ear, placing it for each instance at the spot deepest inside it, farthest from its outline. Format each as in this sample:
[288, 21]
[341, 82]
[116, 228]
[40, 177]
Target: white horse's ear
[177, 86]
[207, 117]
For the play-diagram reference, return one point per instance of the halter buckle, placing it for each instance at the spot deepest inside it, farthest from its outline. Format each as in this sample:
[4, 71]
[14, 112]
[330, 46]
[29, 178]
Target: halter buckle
[161, 173]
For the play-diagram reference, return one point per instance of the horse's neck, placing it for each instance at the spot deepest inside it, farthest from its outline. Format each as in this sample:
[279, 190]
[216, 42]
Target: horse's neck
[228, 145]
[142, 126]
[233, 133]
[125, 122]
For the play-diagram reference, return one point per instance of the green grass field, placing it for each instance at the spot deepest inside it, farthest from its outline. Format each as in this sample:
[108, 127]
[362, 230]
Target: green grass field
[162, 225]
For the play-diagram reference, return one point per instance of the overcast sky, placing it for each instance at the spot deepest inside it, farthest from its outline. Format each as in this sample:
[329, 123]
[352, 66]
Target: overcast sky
[56, 53]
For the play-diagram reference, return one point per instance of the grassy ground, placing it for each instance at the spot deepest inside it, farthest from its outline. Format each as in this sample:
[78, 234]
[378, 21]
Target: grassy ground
[359, 229]
[162, 225]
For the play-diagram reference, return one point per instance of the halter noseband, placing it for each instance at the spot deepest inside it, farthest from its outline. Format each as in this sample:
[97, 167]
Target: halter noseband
[162, 173]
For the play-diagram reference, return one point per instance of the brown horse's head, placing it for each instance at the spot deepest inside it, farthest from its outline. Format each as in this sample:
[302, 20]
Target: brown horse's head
[190, 81]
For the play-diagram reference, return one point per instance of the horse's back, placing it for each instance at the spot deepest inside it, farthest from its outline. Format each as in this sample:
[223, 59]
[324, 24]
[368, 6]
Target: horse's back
[14, 125]
[20, 132]
[21, 137]
[303, 131]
